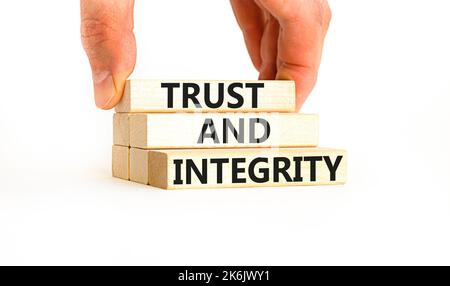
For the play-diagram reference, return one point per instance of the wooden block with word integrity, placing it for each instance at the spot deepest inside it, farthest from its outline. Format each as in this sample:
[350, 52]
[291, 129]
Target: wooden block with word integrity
[207, 96]
[223, 168]
[213, 130]
[121, 129]
[121, 162]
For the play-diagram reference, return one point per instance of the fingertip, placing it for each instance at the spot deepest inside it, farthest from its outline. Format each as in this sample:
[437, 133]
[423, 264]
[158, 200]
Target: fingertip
[304, 83]
[299, 103]
[107, 90]
[267, 71]
[282, 75]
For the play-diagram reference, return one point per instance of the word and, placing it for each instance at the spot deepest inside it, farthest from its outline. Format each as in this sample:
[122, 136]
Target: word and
[209, 131]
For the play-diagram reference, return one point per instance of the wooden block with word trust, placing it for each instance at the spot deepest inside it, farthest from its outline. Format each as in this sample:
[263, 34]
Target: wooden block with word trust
[213, 130]
[121, 162]
[221, 168]
[207, 96]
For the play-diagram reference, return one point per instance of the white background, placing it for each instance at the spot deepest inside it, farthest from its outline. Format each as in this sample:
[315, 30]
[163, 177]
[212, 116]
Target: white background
[383, 94]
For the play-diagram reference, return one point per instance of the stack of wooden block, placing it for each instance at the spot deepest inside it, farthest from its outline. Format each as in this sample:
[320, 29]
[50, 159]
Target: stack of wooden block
[197, 134]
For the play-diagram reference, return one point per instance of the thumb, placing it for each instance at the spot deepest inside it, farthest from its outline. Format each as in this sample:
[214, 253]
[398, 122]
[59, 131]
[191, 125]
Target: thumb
[108, 39]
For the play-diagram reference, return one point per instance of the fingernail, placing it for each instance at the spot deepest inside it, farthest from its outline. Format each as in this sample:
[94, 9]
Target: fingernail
[104, 89]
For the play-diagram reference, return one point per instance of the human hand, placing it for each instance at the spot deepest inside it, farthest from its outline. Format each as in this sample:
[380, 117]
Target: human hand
[285, 38]
[108, 39]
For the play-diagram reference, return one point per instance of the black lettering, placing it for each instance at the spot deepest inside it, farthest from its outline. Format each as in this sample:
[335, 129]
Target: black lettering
[227, 125]
[235, 170]
[178, 180]
[219, 162]
[234, 94]
[313, 160]
[266, 126]
[170, 87]
[202, 176]
[263, 171]
[254, 87]
[333, 167]
[277, 170]
[213, 134]
[190, 95]
[298, 169]
[220, 97]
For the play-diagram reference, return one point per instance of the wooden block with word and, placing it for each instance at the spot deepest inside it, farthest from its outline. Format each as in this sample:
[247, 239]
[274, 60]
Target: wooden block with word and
[207, 96]
[121, 129]
[222, 168]
[121, 162]
[223, 130]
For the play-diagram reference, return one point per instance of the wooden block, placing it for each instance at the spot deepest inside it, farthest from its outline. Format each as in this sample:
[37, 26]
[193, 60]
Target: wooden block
[207, 96]
[222, 168]
[121, 129]
[139, 165]
[121, 162]
[213, 130]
